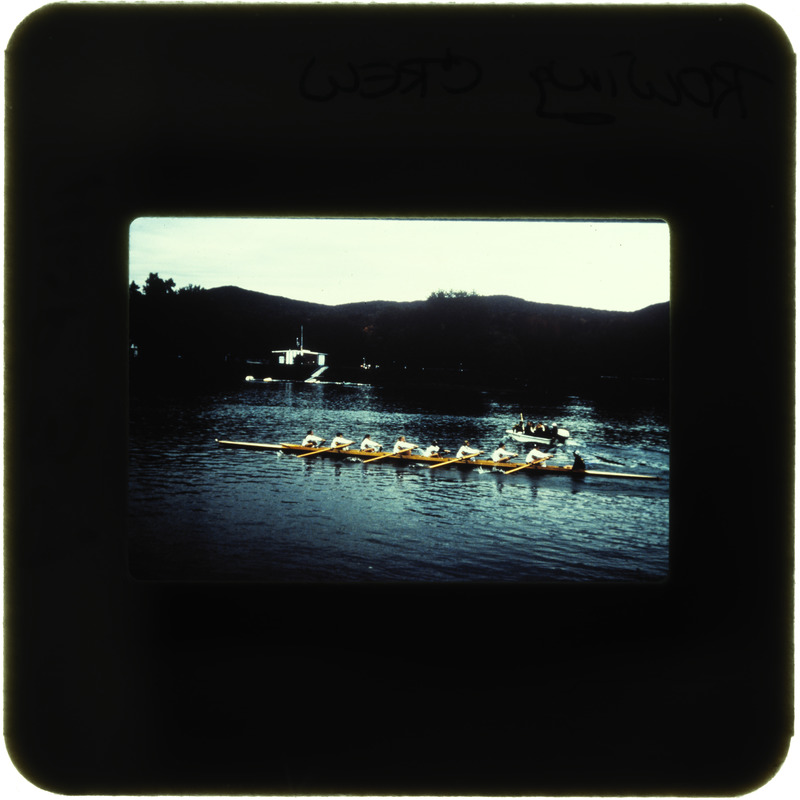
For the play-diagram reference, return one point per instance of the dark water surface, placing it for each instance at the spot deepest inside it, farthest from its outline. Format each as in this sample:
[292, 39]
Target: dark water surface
[198, 511]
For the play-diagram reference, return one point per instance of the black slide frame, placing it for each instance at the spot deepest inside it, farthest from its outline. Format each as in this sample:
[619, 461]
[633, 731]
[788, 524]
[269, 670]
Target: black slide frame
[682, 113]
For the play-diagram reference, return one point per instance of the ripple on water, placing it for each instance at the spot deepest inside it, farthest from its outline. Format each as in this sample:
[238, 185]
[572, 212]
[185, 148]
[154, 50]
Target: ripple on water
[205, 512]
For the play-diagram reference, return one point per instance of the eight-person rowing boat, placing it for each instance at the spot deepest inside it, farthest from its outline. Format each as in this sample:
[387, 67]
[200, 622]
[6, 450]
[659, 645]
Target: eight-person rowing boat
[467, 456]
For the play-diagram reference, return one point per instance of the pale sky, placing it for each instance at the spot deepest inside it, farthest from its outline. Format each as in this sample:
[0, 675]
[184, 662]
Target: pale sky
[620, 266]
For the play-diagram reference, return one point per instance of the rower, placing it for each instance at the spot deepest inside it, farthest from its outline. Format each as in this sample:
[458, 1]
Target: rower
[369, 446]
[501, 454]
[466, 450]
[312, 440]
[432, 450]
[340, 441]
[536, 455]
[401, 445]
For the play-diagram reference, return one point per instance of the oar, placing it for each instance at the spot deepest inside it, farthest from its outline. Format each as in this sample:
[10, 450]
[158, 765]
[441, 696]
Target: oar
[527, 466]
[228, 443]
[323, 450]
[389, 455]
[454, 460]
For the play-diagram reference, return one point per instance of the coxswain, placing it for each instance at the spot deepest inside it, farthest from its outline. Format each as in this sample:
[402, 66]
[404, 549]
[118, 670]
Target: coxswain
[536, 455]
[578, 465]
[312, 440]
[466, 450]
[501, 454]
[340, 441]
[402, 446]
[369, 446]
[432, 450]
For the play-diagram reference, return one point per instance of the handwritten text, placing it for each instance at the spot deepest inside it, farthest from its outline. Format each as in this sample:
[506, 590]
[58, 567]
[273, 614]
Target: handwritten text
[588, 95]
[450, 73]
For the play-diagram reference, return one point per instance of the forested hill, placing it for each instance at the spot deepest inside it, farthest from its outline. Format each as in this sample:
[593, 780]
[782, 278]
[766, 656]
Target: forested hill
[448, 331]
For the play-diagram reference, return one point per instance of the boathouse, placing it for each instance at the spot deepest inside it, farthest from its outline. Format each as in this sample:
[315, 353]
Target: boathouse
[299, 357]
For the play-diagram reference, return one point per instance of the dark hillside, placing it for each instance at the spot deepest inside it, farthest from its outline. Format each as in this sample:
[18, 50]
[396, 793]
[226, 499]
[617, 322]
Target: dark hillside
[257, 301]
[220, 330]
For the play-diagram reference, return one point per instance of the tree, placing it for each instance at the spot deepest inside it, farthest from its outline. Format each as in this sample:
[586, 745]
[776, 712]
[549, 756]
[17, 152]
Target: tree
[450, 294]
[191, 289]
[157, 287]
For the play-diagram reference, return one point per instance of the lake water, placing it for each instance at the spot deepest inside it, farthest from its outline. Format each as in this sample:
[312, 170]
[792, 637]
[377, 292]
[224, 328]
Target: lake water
[201, 512]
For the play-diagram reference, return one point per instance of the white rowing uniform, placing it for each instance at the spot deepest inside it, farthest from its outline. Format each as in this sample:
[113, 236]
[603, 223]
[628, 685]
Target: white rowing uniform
[535, 455]
[501, 454]
[401, 445]
[369, 444]
[312, 441]
[465, 451]
[432, 450]
[338, 441]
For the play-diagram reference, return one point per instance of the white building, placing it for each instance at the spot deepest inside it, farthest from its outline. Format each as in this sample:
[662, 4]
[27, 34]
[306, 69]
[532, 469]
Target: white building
[300, 357]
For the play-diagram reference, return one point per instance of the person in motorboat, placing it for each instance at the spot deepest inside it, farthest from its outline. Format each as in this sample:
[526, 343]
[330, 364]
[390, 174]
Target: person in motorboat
[466, 450]
[369, 445]
[340, 441]
[312, 440]
[401, 445]
[501, 454]
[536, 455]
[578, 465]
[529, 429]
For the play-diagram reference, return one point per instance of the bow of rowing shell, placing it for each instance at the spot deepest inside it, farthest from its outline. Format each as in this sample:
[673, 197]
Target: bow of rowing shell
[476, 462]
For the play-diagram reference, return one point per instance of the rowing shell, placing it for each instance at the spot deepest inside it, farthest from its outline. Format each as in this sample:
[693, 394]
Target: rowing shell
[539, 469]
